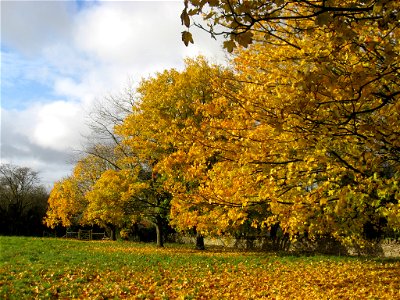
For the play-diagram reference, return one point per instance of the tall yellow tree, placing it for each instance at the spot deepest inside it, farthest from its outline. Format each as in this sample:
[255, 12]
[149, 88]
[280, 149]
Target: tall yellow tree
[165, 124]
[327, 132]
[313, 113]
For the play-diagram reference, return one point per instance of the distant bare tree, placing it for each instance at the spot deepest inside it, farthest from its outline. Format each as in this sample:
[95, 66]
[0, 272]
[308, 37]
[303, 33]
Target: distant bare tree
[102, 141]
[23, 200]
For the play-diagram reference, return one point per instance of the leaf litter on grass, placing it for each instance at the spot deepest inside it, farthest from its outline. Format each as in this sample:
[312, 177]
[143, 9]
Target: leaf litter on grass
[116, 270]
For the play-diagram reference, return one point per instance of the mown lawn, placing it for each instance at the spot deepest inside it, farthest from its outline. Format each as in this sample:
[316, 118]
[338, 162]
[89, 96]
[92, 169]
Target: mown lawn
[67, 269]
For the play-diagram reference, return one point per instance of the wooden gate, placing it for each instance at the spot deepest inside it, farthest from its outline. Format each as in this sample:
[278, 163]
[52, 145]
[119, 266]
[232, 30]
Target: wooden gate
[85, 235]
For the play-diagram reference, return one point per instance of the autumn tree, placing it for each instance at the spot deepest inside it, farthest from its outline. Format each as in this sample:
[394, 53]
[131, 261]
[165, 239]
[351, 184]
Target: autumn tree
[23, 200]
[322, 143]
[69, 203]
[101, 152]
[213, 191]
[104, 145]
[314, 108]
[121, 198]
[109, 185]
[128, 183]
[164, 118]
[66, 204]
[167, 129]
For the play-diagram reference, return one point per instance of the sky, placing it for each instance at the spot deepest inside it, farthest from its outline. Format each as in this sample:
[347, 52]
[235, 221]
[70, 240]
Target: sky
[59, 57]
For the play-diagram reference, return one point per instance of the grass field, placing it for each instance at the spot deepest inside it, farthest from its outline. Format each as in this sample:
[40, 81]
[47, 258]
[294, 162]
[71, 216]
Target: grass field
[36, 268]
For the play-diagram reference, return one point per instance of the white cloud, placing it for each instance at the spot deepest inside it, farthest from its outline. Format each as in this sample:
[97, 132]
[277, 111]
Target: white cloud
[18, 147]
[103, 32]
[55, 125]
[58, 125]
[81, 56]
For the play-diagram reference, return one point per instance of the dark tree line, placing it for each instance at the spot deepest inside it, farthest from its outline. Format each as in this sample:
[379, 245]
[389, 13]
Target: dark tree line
[23, 201]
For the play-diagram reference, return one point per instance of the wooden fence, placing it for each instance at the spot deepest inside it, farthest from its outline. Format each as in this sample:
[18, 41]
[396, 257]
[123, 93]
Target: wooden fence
[86, 235]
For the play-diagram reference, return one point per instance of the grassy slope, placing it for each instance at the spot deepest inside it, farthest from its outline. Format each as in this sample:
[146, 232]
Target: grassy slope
[55, 268]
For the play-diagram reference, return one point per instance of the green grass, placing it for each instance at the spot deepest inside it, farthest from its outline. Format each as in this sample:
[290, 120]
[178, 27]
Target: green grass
[68, 269]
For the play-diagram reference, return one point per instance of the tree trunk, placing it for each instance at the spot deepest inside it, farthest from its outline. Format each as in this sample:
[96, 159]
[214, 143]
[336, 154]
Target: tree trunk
[199, 241]
[159, 232]
[113, 232]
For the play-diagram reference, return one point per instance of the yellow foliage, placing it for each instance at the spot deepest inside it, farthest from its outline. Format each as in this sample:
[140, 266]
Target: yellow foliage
[301, 129]
[66, 204]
